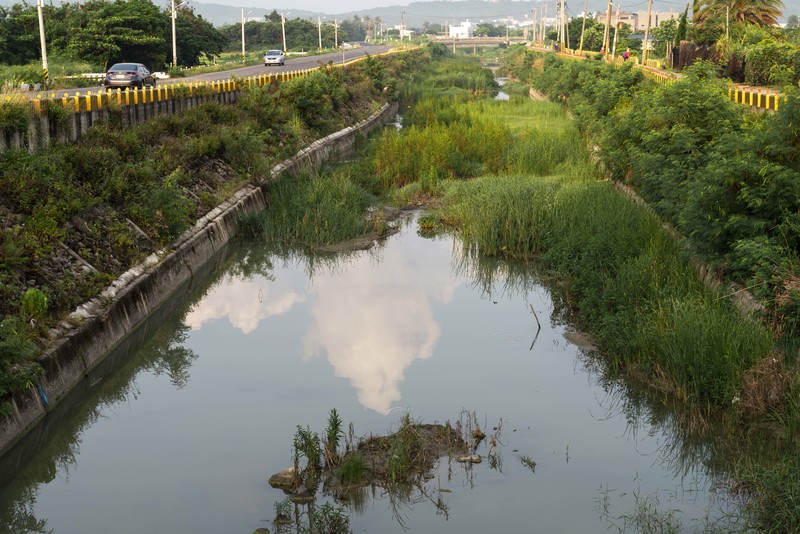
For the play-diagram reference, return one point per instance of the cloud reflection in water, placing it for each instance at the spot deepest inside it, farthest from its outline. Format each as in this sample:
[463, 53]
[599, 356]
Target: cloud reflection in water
[245, 302]
[371, 324]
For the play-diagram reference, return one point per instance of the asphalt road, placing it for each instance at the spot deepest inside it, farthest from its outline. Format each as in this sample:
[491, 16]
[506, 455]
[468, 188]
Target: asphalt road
[296, 63]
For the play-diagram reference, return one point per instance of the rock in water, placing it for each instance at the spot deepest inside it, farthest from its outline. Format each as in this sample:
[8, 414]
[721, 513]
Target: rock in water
[282, 480]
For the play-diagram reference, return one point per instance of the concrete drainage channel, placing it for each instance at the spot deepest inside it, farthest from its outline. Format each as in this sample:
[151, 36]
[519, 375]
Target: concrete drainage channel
[99, 325]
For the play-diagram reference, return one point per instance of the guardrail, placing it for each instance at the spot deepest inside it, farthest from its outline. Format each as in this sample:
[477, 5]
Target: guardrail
[55, 119]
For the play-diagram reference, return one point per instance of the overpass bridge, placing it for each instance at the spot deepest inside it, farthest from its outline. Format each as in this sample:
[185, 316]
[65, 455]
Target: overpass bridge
[475, 42]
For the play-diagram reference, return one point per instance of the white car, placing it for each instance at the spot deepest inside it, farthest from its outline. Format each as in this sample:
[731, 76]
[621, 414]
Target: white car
[274, 57]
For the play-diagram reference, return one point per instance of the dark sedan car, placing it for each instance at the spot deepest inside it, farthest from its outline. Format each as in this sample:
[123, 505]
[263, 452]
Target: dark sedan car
[128, 75]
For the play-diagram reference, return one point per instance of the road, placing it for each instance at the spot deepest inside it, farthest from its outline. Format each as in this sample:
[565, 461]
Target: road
[296, 63]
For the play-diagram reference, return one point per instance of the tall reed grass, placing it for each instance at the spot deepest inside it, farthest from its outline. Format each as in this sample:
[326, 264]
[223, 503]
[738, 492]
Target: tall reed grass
[316, 209]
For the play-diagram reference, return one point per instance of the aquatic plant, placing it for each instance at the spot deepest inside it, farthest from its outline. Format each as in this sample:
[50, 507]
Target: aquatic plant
[327, 519]
[352, 469]
[317, 209]
[771, 491]
[333, 433]
[306, 445]
[283, 511]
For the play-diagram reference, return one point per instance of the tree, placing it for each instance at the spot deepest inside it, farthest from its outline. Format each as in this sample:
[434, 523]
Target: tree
[198, 38]
[755, 12]
[431, 29]
[354, 28]
[273, 17]
[792, 22]
[123, 30]
[484, 29]
[19, 34]
[664, 34]
[683, 25]
[592, 34]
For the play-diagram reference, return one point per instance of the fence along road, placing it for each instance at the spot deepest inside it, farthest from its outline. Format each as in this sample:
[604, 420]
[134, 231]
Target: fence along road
[292, 64]
[58, 117]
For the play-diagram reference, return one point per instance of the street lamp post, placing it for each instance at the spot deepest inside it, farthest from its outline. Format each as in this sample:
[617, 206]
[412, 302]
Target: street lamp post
[42, 41]
[243, 53]
[174, 46]
[283, 32]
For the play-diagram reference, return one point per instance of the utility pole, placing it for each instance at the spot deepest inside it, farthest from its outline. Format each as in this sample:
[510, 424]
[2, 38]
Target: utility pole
[174, 46]
[607, 32]
[646, 33]
[42, 42]
[616, 31]
[544, 25]
[727, 21]
[533, 25]
[319, 32]
[283, 33]
[402, 25]
[242, 35]
[336, 33]
[583, 26]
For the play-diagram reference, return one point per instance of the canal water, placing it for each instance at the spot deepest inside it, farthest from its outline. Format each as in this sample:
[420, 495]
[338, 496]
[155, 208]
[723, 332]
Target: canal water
[181, 427]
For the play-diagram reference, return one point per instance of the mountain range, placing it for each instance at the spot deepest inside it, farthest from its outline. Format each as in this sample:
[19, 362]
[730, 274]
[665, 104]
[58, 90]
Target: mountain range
[417, 13]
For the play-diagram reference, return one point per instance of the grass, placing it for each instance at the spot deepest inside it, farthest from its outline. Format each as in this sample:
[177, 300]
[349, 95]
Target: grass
[771, 492]
[316, 210]
[353, 470]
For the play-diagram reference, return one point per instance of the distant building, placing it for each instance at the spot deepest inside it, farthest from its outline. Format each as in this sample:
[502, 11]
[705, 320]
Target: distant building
[638, 20]
[463, 31]
[403, 31]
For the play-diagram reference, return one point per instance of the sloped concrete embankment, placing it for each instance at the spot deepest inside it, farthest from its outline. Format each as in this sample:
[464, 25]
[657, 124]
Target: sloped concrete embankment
[94, 329]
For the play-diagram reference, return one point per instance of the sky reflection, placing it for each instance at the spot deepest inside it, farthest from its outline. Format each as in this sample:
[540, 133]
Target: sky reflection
[371, 324]
[244, 302]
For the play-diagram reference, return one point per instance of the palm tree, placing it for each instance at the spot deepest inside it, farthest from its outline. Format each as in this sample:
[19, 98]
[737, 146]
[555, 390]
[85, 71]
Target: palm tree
[755, 12]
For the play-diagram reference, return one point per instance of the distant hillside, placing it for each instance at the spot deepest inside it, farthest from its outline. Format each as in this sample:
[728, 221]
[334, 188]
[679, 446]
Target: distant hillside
[415, 13]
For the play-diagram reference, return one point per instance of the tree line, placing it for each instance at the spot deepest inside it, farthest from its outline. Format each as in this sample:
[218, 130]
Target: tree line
[103, 32]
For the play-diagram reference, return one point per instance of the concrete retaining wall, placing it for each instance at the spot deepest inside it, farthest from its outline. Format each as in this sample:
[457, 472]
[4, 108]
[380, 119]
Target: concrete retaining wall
[87, 111]
[95, 328]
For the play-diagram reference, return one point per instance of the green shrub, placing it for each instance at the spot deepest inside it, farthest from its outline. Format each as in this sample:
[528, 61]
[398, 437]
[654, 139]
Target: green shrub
[33, 304]
[14, 117]
[772, 63]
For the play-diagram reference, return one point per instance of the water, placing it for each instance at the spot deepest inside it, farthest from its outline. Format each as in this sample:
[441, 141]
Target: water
[180, 429]
[501, 95]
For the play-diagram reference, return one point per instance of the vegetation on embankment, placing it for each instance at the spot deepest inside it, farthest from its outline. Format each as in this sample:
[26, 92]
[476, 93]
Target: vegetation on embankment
[727, 179]
[76, 216]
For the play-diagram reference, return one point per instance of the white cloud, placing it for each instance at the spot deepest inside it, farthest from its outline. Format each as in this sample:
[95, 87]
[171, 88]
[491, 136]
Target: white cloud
[371, 324]
[245, 303]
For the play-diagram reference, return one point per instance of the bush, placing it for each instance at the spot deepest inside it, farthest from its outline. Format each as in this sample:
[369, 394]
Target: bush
[772, 63]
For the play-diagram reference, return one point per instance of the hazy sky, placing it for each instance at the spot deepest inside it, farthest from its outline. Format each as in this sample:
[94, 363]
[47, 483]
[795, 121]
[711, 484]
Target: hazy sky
[325, 6]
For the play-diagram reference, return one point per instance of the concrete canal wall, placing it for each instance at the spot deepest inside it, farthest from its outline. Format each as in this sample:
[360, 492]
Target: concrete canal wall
[95, 328]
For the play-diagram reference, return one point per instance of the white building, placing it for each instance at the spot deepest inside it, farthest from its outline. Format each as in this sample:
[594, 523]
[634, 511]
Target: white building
[463, 31]
[403, 31]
